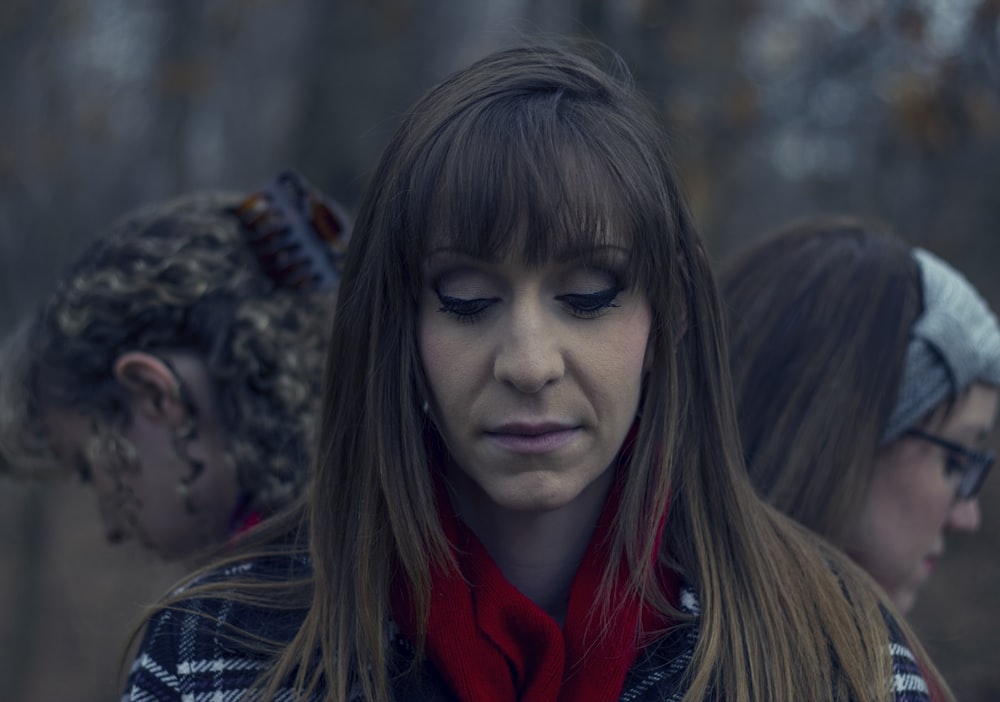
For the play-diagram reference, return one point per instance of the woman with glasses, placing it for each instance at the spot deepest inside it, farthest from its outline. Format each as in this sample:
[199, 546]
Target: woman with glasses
[866, 374]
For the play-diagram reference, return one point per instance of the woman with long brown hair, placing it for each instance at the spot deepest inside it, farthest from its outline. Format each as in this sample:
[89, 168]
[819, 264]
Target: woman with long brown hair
[528, 480]
[867, 376]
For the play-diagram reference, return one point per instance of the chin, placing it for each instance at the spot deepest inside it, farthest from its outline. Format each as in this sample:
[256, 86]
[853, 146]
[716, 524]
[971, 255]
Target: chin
[532, 503]
[538, 496]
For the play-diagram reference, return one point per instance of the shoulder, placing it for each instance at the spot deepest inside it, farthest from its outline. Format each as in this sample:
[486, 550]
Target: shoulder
[217, 641]
[662, 669]
[908, 682]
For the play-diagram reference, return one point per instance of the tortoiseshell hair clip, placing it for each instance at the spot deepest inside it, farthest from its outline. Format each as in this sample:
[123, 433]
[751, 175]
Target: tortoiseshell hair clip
[298, 236]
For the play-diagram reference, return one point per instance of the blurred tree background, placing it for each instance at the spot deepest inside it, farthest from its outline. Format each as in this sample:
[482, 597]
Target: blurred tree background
[776, 109]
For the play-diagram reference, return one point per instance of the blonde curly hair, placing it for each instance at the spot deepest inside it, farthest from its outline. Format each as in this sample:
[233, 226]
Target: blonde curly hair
[176, 276]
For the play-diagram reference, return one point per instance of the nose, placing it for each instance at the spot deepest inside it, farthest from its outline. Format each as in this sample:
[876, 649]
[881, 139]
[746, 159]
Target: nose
[528, 355]
[964, 515]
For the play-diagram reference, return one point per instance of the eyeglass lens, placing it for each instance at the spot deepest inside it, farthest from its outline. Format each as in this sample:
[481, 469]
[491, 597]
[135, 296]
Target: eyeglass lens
[971, 466]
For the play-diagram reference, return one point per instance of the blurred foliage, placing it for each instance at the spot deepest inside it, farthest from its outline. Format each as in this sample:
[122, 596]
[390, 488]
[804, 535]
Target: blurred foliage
[775, 109]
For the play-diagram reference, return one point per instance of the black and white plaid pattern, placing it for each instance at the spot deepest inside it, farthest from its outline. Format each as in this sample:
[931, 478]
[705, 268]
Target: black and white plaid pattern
[193, 655]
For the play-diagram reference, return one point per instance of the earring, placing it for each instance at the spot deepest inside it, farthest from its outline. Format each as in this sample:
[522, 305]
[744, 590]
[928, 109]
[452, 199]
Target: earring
[425, 407]
[184, 492]
[184, 435]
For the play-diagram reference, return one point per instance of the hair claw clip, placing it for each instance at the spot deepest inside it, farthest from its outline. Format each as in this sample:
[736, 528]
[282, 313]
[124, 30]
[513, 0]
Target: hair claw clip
[298, 236]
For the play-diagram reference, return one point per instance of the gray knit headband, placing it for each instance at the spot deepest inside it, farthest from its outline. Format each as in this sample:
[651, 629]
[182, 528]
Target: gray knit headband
[953, 344]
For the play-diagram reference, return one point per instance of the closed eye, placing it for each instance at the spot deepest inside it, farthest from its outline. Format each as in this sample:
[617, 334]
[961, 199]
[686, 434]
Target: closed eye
[587, 305]
[465, 310]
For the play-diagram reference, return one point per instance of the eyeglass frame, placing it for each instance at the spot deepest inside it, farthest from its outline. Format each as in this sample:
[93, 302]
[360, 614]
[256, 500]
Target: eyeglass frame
[972, 471]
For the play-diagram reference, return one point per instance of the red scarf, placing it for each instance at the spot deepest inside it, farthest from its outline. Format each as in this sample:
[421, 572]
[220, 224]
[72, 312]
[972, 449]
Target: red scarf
[490, 643]
[241, 520]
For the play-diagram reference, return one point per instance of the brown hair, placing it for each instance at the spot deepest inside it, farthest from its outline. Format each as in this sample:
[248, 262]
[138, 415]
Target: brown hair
[819, 321]
[539, 140]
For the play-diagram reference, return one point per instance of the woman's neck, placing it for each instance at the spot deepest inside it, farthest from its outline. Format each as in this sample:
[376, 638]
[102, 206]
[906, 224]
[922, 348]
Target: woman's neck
[538, 552]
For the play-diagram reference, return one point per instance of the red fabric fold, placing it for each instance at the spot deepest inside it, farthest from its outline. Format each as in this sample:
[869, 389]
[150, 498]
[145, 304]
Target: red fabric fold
[491, 643]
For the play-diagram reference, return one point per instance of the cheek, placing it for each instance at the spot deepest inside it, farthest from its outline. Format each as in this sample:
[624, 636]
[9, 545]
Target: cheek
[136, 482]
[627, 351]
[921, 494]
[613, 367]
[453, 359]
[619, 368]
[433, 350]
[907, 506]
[107, 481]
[637, 351]
[154, 478]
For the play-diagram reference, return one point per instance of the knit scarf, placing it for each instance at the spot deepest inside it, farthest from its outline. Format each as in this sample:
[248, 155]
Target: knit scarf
[490, 643]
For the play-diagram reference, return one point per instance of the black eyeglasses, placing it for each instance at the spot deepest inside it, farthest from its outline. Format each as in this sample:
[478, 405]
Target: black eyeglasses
[971, 466]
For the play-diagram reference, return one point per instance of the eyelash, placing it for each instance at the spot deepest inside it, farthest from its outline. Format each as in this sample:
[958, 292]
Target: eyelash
[465, 311]
[590, 305]
[581, 305]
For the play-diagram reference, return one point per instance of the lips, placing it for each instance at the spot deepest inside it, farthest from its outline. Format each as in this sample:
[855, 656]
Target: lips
[532, 437]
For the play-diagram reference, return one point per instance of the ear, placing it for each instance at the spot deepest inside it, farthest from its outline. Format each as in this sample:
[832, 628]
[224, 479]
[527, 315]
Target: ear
[152, 385]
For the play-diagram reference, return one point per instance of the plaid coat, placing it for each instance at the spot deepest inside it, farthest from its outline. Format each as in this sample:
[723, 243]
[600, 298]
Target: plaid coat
[190, 654]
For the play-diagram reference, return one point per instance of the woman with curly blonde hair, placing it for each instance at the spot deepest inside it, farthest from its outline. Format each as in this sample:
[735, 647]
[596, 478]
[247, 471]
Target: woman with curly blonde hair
[177, 365]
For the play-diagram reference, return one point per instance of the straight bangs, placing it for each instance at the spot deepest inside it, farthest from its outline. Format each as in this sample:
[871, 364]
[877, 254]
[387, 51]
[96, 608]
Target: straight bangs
[518, 179]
